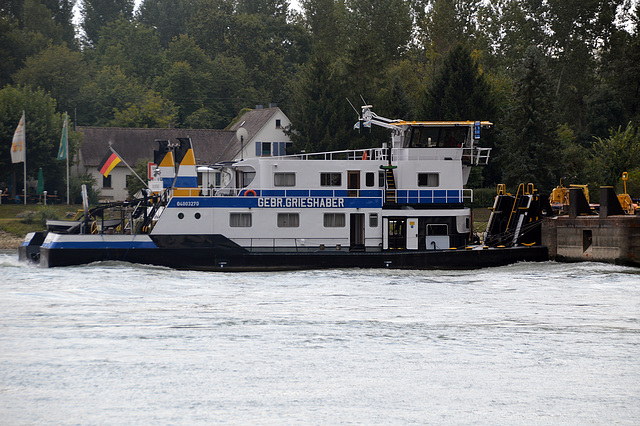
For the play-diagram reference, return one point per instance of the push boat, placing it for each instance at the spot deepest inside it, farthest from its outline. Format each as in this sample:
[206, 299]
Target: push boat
[401, 205]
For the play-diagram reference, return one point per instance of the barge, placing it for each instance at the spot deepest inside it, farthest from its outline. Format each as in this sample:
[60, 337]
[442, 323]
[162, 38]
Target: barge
[401, 205]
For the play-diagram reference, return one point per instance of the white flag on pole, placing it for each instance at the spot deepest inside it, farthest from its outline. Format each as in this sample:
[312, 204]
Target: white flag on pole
[18, 146]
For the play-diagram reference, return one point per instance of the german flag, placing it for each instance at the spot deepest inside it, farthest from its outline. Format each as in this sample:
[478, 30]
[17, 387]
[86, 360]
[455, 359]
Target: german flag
[108, 163]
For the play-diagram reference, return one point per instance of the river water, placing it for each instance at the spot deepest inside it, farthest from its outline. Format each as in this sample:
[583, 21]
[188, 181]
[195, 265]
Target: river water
[113, 343]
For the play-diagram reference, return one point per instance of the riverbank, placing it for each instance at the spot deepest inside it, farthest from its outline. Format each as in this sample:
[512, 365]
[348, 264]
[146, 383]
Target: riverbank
[16, 220]
[9, 241]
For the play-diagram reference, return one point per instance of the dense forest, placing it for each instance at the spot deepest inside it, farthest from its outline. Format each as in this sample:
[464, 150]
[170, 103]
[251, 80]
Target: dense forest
[560, 79]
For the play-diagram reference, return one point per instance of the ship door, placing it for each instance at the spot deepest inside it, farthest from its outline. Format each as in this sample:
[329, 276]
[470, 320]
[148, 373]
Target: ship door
[412, 233]
[353, 182]
[396, 233]
[357, 232]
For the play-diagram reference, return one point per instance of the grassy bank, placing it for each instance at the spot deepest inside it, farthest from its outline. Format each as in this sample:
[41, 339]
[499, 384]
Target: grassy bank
[18, 219]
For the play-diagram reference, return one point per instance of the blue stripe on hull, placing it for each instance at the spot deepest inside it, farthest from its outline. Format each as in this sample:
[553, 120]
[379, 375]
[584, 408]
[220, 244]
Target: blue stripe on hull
[251, 201]
[367, 199]
[104, 244]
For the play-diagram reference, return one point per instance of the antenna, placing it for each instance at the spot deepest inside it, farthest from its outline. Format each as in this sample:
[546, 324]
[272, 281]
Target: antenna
[363, 101]
[354, 108]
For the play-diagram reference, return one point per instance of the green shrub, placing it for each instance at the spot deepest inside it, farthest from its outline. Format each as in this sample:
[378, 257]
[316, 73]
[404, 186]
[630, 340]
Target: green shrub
[27, 217]
[46, 213]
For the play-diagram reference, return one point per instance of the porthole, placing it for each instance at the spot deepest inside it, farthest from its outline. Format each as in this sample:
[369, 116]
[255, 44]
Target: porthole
[180, 215]
[198, 216]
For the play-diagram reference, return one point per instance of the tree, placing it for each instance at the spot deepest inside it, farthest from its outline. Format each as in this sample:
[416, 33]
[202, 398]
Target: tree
[62, 13]
[620, 72]
[460, 91]
[326, 21]
[168, 17]
[531, 150]
[314, 118]
[616, 154]
[444, 24]
[148, 112]
[132, 46]
[383, 26]
[59, 71]
[111, 90]
[98, 13]
[43, 127]
[211, 24]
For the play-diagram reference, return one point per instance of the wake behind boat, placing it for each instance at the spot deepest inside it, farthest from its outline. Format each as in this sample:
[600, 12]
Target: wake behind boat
[401, 205]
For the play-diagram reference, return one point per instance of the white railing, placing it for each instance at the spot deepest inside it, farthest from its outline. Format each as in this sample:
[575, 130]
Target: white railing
[477, 156]
[350, 154]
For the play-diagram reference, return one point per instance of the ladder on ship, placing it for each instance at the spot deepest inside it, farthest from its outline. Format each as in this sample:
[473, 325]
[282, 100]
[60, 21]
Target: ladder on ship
[390, 193]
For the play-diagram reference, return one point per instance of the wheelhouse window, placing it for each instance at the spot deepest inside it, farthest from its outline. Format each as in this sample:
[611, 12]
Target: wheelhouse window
[240, 220]
[284, 179]
[288, 220]
[438, 137]
[330, 179]
[431, 180]
[334, 220]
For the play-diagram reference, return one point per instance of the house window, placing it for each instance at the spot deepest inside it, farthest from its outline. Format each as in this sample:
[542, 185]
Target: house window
[106, 181]
[284, 179]
[280, 148]
[330, 179]
[278, 124]
[263, 149]
[288, 220]
[334, 220]
[373, 220]
[240, 220]
[429, 179]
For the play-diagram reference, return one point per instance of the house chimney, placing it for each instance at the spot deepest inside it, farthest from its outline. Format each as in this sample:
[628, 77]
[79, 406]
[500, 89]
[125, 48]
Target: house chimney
[259, 107]
[273, 105]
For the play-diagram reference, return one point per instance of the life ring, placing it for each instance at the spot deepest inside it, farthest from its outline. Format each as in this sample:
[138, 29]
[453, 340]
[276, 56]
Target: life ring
[250, 192]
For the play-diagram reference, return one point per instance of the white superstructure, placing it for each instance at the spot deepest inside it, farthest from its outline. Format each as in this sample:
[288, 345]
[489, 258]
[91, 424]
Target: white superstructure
[406, 195]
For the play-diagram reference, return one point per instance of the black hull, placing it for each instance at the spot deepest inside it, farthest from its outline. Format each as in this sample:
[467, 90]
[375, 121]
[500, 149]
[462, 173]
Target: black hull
[208, 259]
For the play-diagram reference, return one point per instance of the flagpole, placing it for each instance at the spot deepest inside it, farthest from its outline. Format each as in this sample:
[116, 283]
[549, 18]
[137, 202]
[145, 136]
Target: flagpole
[66, 118]
[125, 163]
[25, 158]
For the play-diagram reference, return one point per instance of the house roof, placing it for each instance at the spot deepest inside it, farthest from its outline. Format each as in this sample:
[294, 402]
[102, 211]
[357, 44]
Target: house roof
[253, 120]
[134, 145]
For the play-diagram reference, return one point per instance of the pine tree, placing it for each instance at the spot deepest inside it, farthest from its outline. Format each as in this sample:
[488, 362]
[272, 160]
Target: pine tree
[532, 151]
[459, 91]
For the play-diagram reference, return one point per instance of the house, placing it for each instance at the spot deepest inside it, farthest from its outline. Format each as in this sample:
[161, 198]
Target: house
[266, 130]
[264, 136]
